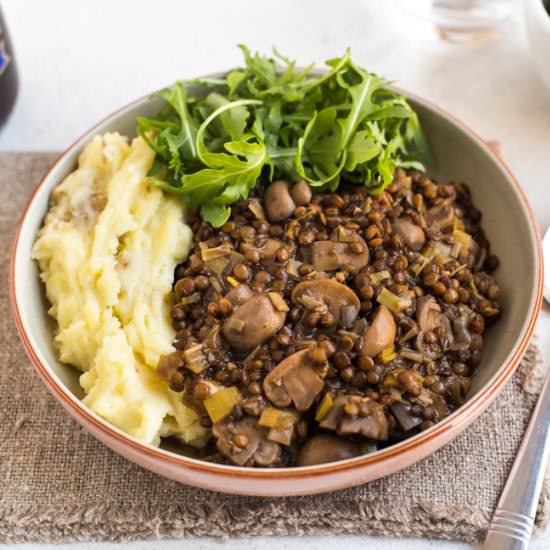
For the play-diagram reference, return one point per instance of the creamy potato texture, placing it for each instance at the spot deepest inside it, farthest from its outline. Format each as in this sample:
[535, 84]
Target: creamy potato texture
[107, 253]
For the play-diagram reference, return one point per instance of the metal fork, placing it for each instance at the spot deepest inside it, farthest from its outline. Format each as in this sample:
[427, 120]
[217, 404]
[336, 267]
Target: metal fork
[514, 516]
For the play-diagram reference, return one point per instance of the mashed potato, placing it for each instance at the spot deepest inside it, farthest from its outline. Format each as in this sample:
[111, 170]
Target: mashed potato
[107, 253]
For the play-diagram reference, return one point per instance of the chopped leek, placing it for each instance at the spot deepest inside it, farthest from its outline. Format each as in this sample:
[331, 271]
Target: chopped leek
[367, 448]
[393, 302]
[232, 281]
[219, 405]
[212, 253]
[411, 333]
[345, 235]
[379, 276]
[390, 381]
[418, 266]
[192, 299]
[324, 407]
[216, 284]
[388, 354]
[275, 418]
[462, 238]
[217, 265]
[412, 355]
[458, 224]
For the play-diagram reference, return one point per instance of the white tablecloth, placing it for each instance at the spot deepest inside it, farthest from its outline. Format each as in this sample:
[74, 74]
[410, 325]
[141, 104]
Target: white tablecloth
[80, 60]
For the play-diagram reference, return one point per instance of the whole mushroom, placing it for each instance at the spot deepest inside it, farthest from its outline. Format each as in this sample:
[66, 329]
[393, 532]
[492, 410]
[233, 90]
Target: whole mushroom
[301, 193]
[324, 448]
[412, 235]
[331, 255]
[278, 203]
[252, 323]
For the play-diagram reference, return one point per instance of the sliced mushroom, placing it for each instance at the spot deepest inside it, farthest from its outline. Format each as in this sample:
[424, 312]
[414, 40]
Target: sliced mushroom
[404, 416]
[412, 235]
[331, 255]
[442, 215]
[239, 295]
[324, 448]
[278, 203]
[337, 298]
[301, 193]
[295, 380]
[252, 323]
[381, 332]
[371, 423]
[446, 336]
[269, 250]
[427, 313]
[439, 403]
[258, 450]
[281, 435]
[461, 333]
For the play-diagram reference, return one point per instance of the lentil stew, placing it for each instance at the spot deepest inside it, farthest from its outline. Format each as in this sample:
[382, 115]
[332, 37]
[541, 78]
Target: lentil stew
[313, 327]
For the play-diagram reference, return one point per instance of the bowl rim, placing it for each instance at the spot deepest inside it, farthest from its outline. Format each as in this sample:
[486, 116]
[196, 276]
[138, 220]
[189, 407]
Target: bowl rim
[443, 431]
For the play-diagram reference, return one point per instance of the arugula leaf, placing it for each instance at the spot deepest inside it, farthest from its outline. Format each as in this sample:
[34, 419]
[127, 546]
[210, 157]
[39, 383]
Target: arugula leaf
[177, 98]
[320, 148]
[215, 214]
[362, 104]
[233, 120]
[270, 119]
[362, 148]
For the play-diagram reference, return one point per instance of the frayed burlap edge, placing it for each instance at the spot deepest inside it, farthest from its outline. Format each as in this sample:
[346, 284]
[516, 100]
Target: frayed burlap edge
[136, 522]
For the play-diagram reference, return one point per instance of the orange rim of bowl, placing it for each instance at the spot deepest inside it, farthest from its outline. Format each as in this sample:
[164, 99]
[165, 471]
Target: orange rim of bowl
[463, 416]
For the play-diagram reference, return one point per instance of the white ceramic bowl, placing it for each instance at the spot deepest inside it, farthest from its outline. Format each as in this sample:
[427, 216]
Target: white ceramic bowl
[538, 33]
[458, 154]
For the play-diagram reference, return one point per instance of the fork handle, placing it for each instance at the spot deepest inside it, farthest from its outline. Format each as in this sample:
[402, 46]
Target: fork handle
[514, 516]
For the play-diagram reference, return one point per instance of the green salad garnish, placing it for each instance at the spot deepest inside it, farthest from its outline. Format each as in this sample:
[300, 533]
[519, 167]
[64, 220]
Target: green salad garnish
[271, 120]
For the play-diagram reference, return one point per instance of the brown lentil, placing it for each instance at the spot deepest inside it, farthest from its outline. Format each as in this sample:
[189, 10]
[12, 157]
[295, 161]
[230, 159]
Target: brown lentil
[276, 257]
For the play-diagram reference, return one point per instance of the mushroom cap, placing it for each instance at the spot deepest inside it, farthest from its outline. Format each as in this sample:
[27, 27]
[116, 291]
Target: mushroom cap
[301, 193]
[294, 380]
[278, 202]
[381, 332]
[339, 299]
[427, 312]
[441, 215]
[252, 323]
[331, 255]
[324, 448]
[412, 234]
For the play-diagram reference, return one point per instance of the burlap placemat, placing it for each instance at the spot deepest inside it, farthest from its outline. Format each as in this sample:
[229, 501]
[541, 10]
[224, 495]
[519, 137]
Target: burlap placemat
[57, 483]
